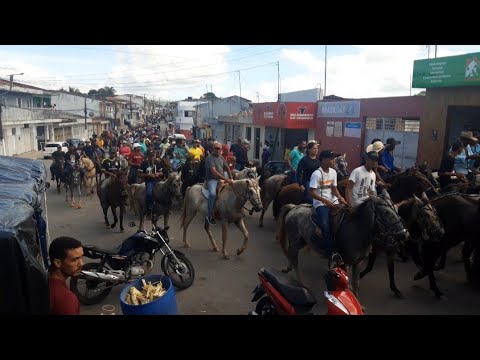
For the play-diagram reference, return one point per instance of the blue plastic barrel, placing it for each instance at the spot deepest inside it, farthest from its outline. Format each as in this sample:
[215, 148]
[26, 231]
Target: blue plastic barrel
[165, 305]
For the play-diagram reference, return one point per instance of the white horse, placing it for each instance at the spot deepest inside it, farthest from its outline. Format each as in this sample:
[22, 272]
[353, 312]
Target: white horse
[229, 206]
[247, 173]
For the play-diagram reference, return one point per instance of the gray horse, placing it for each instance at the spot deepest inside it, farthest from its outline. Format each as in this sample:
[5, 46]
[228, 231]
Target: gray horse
[164, 193]
[269, 191]
[73, 184]
[229, 207]
[247, 173]
[376, 218]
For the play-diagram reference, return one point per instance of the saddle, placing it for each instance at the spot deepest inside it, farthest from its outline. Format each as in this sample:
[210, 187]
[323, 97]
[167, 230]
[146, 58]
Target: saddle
[206, 193]
[337, 214]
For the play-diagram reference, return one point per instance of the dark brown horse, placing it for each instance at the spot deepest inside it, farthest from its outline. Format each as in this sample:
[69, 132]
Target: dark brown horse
[116, 197]
[290, 194]
[408, 183]
[269, 190]
[460, 216]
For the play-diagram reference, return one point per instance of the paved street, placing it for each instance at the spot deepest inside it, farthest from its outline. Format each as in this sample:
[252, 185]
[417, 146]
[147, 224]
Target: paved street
[225, 286]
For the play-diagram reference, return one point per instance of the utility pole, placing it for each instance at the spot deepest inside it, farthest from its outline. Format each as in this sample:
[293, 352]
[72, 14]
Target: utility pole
[278, 80]
[1, 131]
[131, 111]
[212, 99]
[410, 84]
[240, 85]
[436, 51]
[85, 111]
[325, 87]
[428, 51]
[144, 103]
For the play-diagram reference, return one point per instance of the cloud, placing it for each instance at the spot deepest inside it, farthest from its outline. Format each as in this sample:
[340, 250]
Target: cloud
[304, 57]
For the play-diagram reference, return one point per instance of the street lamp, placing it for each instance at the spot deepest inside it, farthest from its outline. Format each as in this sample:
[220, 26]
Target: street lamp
[11, 79]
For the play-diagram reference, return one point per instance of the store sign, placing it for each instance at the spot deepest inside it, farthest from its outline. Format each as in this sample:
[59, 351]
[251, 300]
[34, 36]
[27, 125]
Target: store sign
[462, 70]
[339, 109]
[288, 115]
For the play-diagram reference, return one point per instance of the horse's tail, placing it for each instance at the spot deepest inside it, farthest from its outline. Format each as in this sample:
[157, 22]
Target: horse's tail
[184, 210]
[282, 236]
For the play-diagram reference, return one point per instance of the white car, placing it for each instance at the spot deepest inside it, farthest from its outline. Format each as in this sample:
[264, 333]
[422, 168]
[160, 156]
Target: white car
[51, 147]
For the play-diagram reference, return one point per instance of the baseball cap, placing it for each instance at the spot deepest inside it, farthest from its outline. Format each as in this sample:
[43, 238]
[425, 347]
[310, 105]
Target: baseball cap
[373, 155]
[136, 145]
[328, 154]
[392, 141]
[245, 141]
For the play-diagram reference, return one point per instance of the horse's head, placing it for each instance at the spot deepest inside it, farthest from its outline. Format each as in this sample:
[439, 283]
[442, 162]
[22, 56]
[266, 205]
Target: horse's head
[253, 194]
[251, 173]
[341, 165]
[389, 224]
[427, 219]
[425, 170]
[175, 184]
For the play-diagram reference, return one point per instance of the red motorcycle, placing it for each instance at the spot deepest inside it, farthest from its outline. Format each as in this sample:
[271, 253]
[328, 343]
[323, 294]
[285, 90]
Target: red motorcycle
[280, 294]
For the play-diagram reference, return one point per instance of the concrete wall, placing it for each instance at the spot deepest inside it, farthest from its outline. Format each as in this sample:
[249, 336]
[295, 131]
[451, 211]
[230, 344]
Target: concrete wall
[310, 95]
[75, 104]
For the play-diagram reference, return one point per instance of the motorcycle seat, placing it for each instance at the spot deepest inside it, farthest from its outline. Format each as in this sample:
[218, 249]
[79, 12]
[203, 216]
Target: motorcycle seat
[104, 250]
[291, 289]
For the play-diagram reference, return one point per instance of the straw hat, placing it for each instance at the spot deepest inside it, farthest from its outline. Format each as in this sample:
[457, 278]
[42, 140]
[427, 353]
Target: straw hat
[377, 146]
[468, 135]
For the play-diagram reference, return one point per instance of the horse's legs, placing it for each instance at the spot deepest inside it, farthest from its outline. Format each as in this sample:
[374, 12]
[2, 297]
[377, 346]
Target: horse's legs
[265, 204]
[210, 236]
[355, 279]
[115, 218]
[371, 261]
[224, 240]
[122, 210]
[441, 263]
[165, 219]
[79, 190]
[241, 225]
[391, 273]
[105, 213]
[186, 222]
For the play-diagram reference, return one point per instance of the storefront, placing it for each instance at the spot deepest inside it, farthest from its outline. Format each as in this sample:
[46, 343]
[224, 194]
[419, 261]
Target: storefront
[452, 102]
[283, 124]
[348, 126]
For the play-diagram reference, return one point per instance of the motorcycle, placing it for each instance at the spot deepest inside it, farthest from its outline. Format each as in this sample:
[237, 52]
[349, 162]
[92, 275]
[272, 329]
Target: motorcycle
[280, 294]
[130, 260]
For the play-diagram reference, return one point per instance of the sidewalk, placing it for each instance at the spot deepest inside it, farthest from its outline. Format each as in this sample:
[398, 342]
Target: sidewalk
[35, 155]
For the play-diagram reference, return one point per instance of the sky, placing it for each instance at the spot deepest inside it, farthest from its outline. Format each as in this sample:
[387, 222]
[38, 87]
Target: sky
[175, 72]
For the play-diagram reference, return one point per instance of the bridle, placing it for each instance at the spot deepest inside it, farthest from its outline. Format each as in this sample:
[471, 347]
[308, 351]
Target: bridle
[249, 185]
[384, 230]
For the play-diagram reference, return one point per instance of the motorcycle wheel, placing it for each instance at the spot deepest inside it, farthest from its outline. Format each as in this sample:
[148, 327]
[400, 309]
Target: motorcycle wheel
[265, 307]
[89, 291]
[180, 278]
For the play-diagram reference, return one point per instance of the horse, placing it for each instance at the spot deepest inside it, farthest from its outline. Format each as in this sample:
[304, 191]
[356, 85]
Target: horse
[290, 194]
[90, 174]
[460, 216]
[424, 227]
[341, 167]
[410, 182]
[190, 174]
[269, 191]
[57, 172]
[372, 220]
[73, 183]
[116, 195]
[164, 192]
[247, 173]
[229, 206]
[428, 172]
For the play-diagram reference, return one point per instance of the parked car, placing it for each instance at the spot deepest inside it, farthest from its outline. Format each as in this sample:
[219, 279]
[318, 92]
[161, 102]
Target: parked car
[75, 142]
[51, 147]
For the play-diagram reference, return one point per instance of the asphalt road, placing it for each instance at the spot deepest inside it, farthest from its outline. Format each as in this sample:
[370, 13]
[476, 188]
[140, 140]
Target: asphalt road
[224, 287]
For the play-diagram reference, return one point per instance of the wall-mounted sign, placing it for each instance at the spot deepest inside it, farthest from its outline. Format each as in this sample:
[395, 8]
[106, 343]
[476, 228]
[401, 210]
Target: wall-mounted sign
[339, 109]
[353, 129]
[461, 70]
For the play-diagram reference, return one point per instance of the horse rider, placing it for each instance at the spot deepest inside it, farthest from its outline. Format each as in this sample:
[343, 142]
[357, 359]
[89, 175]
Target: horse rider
[89, 151]
[134, 161]
[180, 153]
[294, 158]
[325, 195]
[242, 155]
[215, 165]
[57, 156]
[362, 181]
[72, 159]
[446, 170]
[387, 160]
[306, 167]
[151, 171]
[196, 152]
[111, 168]
[465, 160]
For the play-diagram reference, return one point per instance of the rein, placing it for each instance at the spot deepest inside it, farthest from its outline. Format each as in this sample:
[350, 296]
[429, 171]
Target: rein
[244, 196]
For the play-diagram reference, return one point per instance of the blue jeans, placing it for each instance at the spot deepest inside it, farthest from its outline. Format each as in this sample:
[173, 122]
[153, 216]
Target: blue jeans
[149, 194]
[306, 193]
[212, 189]
[323, 221]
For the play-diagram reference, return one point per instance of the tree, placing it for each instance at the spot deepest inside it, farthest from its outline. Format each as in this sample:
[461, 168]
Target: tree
[74, 90]
[92, 92]
[103, 92]
[209, 96]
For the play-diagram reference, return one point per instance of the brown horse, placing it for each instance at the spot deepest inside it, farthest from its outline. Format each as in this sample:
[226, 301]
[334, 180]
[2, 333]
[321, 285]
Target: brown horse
[116, 197]
[290, 194]
[269, 190]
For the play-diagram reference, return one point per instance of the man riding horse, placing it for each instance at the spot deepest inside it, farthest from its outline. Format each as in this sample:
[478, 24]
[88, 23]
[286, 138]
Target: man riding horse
[72, 160]
[215, 166]
[111, 168]
[151, 171]
[57, 156]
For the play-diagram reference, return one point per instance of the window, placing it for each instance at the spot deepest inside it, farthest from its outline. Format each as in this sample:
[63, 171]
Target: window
[188, 113]
[412, 125]
[19, 102]
[14, 131]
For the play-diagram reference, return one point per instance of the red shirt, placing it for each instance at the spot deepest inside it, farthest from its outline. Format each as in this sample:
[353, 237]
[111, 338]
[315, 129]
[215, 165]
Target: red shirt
[125, 151]
[62, 300]
[136, 159]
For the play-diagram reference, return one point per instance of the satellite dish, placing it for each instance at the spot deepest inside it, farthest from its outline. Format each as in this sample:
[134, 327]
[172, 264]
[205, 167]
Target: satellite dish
[91, 114]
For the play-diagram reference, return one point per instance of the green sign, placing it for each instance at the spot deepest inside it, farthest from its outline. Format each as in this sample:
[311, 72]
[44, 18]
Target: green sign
[461, 70]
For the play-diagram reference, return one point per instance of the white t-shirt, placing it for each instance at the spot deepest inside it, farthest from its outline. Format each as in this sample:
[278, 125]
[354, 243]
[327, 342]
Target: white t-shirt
[363, 181]
[323, 182]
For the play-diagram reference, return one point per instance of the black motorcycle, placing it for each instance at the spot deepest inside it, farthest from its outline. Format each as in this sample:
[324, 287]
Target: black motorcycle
[128, 261]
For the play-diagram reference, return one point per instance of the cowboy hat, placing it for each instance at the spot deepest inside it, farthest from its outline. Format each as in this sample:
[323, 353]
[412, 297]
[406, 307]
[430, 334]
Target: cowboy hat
[468, 135]
[377, 146]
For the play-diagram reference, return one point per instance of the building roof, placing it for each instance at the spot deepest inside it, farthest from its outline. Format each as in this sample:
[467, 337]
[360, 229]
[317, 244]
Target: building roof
[17, 84]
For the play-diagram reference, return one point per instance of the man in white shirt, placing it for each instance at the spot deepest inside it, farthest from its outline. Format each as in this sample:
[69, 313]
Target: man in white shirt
[362, 181]
[325, 195]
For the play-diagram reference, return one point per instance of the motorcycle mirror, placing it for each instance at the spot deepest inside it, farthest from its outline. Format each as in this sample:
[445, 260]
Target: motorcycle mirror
[131, 224]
